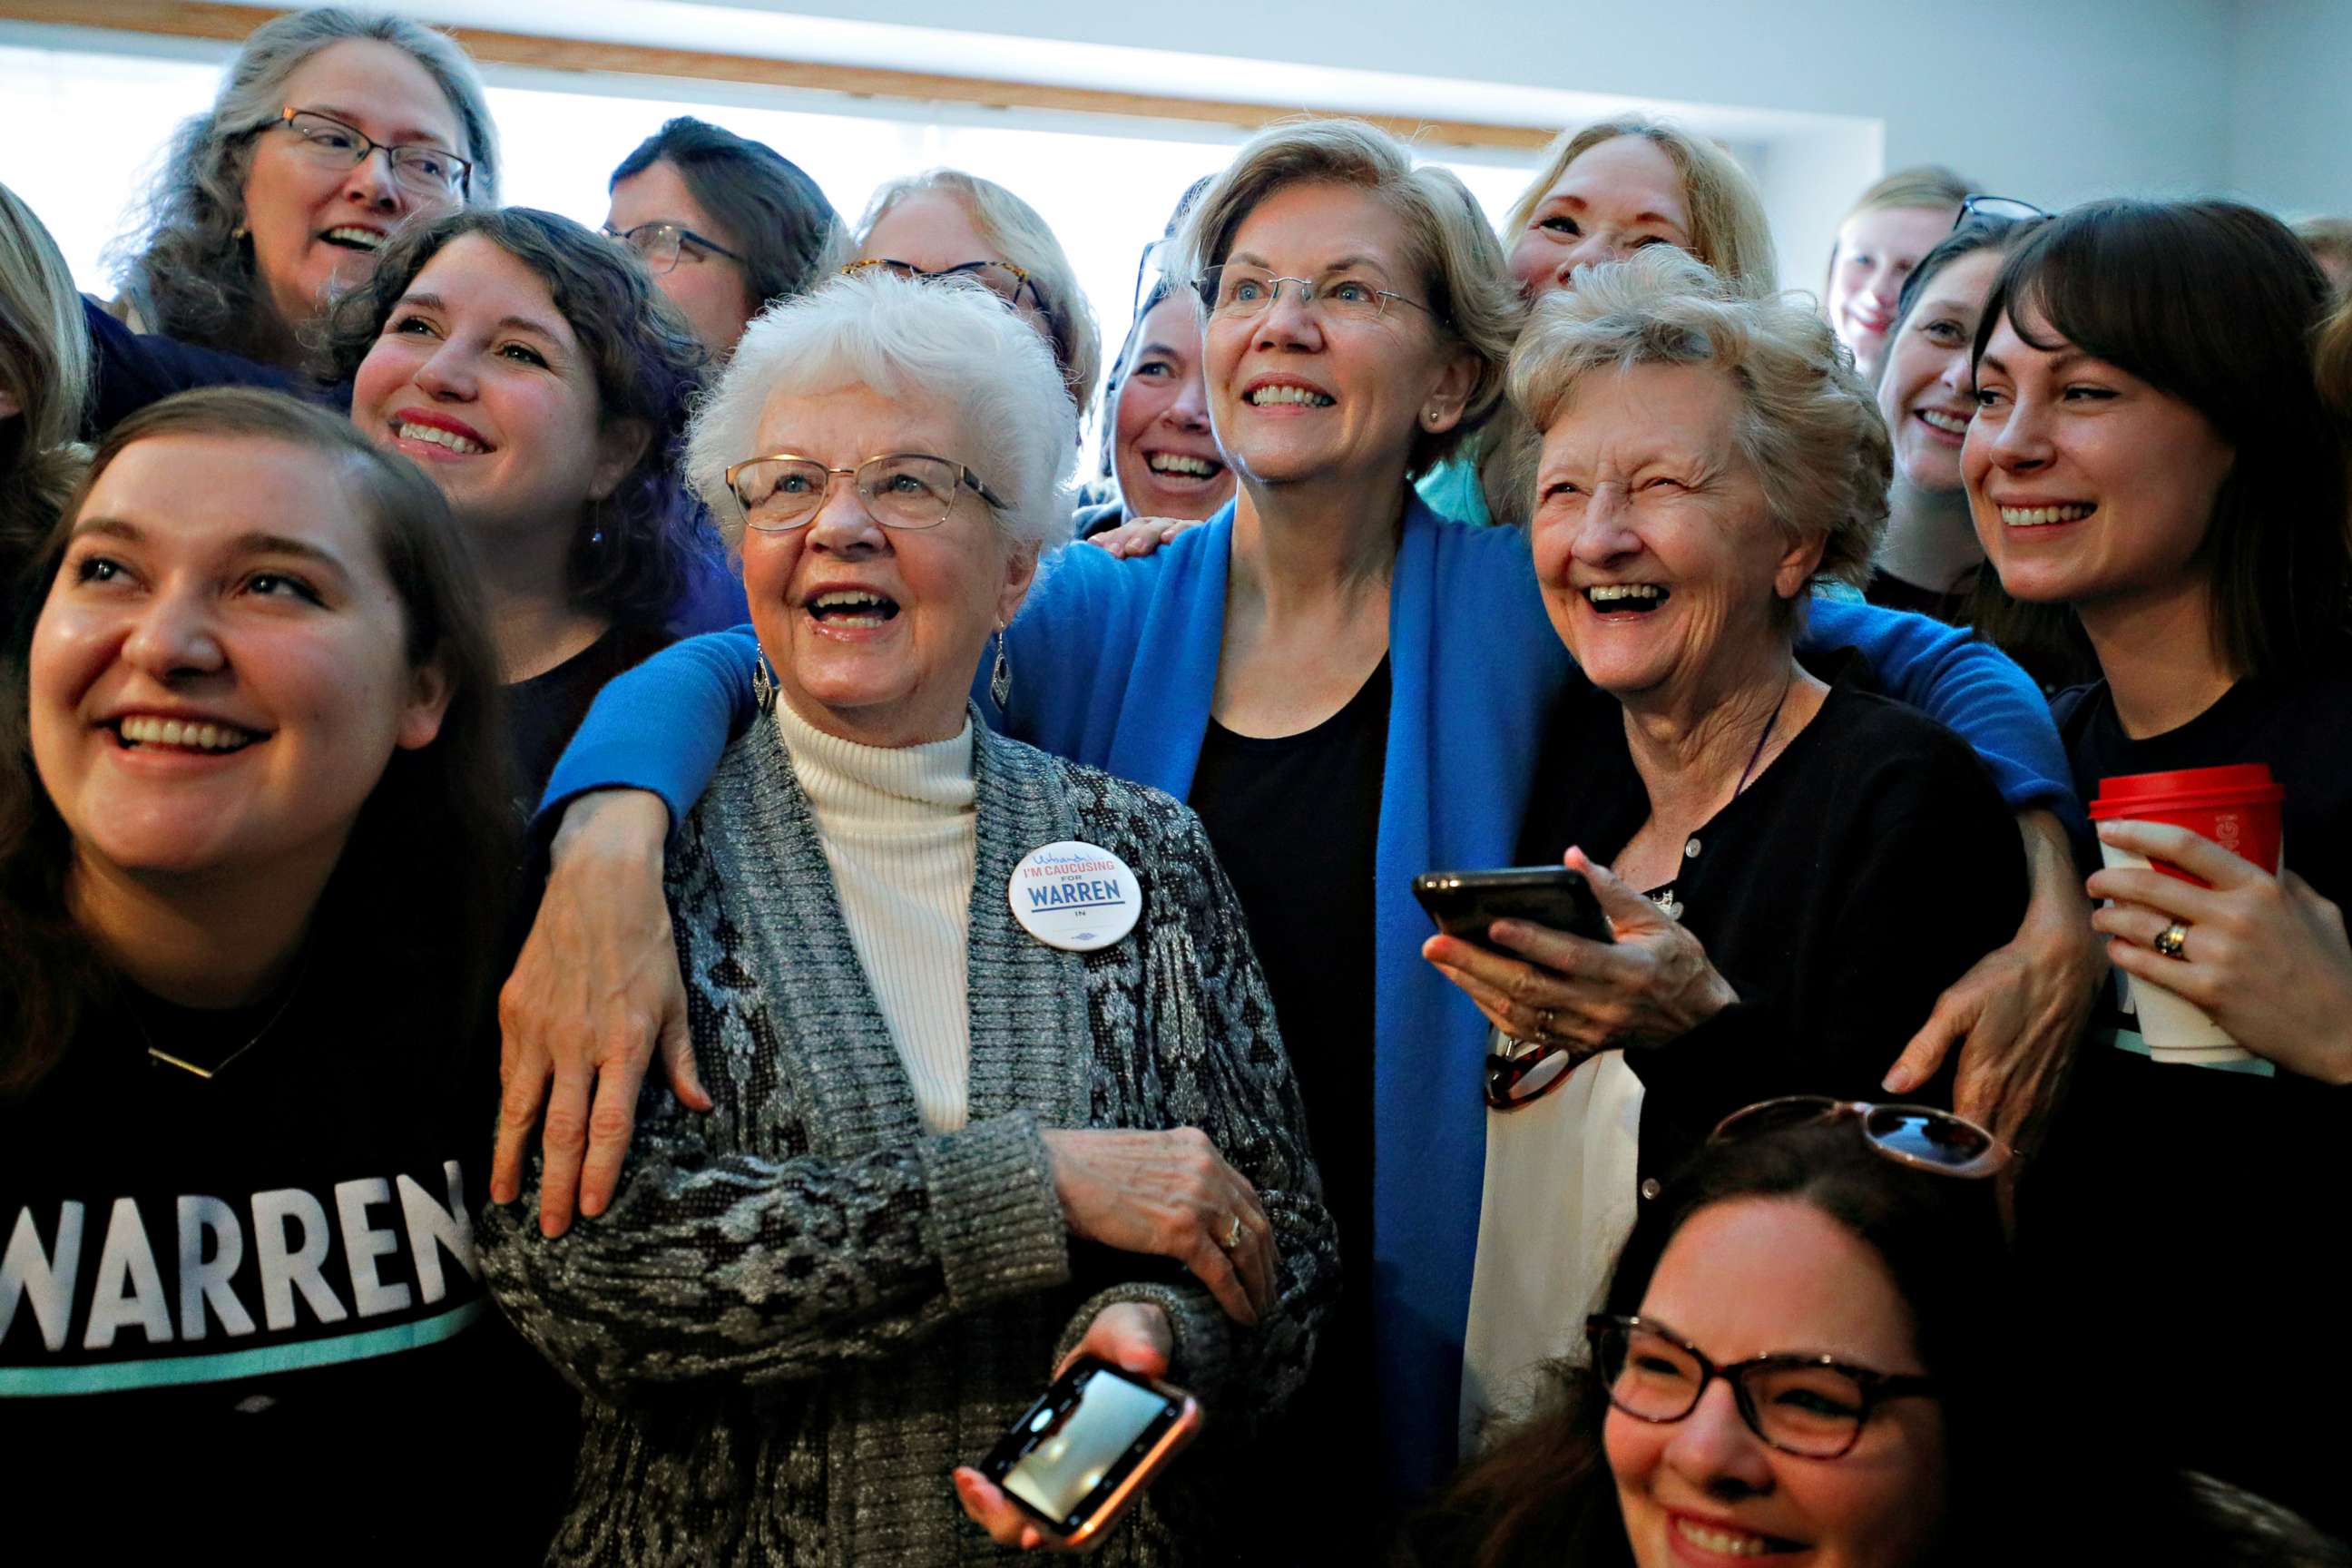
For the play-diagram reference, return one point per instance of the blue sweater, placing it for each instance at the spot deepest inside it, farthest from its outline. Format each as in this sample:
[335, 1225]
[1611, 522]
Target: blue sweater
[1114, 663]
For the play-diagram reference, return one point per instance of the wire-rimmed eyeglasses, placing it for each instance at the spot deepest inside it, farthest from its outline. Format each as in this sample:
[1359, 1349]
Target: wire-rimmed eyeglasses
[1001, 278]
[417, 167]
[783, 490]
[660, 244]
[1235, 293]
[1814, 1407]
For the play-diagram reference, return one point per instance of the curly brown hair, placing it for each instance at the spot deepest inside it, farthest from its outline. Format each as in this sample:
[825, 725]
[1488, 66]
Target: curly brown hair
[631, 557]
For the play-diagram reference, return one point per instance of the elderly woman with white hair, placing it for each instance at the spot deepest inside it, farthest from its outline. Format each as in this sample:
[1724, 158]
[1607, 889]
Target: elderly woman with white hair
[1822, 861]
[953, 1137]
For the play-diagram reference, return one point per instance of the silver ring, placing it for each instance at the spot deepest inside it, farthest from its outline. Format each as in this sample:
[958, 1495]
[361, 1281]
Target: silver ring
[1543, 1022]
[2172, 940]
[1231, 1239]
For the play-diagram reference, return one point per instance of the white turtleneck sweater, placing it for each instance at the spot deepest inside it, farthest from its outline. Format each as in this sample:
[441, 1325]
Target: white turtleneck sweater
[897, 825]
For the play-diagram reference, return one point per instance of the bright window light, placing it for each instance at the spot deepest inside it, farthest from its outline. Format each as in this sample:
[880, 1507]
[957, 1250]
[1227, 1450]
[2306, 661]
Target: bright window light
[1106, 189]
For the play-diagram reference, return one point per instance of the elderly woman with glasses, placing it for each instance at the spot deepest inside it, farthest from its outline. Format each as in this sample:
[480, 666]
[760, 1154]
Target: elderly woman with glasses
[1344, 685]
[957, 1128]
[1793, 839]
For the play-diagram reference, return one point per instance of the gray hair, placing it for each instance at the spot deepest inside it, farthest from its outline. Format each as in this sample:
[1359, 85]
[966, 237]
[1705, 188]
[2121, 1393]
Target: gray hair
[1447, 241]
[950, 344]
[1808, 425]
[1026, 240]
[184, 266]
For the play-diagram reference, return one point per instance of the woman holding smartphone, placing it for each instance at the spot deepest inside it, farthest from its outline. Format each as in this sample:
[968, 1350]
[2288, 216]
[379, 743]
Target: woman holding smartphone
[993, 1069]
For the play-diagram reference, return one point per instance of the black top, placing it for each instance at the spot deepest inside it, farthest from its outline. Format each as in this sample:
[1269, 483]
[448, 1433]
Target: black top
[2175, 1211]
[1859, 875]
[247, 1311]
[1949, 606]
[1295, 821]
[543, 711]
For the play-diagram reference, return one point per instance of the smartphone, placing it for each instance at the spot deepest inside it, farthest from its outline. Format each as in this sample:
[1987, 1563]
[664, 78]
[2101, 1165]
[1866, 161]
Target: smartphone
[1084, 1452]
[1465, 903]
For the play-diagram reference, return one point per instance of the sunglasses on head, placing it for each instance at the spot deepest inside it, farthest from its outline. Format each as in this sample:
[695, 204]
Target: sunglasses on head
[1920, 1136]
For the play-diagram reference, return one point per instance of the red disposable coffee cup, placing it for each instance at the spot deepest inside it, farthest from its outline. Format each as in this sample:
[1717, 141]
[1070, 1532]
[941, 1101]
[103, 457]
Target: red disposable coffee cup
[2235, 806]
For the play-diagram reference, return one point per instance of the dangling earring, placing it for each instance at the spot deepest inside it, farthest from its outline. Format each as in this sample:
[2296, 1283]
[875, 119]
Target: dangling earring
[763, 684]
[1000, 679]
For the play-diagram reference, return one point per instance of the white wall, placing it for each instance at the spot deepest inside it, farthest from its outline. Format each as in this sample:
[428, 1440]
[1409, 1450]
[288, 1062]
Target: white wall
[2051, 100]
[2291, 147]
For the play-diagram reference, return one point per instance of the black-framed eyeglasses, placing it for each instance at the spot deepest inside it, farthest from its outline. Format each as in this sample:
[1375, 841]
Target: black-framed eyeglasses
[1235, 293]
[419, 168]
[2002, 209]
[1001, 278]
[783, 490]
[659, 245]
[1920, 1136]
[1814, 1407]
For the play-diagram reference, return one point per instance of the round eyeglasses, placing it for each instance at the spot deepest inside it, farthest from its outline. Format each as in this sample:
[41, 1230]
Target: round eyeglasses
[1814, 1406]
[1001, 278]
[1920, 1136]
[1233, 292]
[900, 489]
[418, 168]
[659, 245]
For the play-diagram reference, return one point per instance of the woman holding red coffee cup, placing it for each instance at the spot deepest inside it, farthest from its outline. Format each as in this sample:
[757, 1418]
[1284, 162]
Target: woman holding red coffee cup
[2195, 529]
[2151, 458]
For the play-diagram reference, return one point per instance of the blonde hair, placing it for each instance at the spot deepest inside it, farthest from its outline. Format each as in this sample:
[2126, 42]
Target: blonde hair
[45, 366]
[1806, 426]
[2332, 363]
[1728, 229]
[1926, 187]
[1447, 243]
[1028, 241]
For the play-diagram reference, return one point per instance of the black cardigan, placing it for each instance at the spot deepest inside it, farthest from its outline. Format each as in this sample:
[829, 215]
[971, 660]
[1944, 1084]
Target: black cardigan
[1859, 875]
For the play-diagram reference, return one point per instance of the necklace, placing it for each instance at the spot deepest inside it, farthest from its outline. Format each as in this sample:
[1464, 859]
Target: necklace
[157, 1054]
[1757, 754]
[1666, 898]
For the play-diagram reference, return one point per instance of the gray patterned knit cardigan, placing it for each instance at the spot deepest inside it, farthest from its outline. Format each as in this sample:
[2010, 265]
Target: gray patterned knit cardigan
[803, 1310]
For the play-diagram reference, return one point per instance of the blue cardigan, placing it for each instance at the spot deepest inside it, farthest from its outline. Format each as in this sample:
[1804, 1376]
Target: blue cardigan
[1114, 663]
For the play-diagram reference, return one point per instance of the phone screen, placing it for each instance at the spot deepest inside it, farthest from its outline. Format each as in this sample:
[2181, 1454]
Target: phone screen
[1074, 1450]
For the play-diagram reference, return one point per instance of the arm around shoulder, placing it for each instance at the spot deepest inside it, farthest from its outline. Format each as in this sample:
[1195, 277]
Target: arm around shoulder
[1967, 685]
[661, 726]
